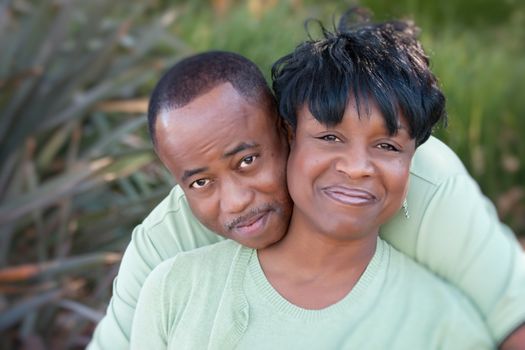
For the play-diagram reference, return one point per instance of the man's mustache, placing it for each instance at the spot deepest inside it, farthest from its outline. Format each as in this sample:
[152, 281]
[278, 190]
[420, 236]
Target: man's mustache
[251, 213]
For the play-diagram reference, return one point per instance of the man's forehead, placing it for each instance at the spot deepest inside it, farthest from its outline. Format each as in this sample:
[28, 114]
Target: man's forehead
[222, 128]
[224, 135]
[208, 120]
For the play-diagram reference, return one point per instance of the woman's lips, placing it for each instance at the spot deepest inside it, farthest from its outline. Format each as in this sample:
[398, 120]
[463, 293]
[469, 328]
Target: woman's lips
[350, 195]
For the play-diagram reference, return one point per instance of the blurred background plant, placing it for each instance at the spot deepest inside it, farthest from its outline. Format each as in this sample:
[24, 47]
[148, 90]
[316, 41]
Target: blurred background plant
[76, 173]
[77, 169]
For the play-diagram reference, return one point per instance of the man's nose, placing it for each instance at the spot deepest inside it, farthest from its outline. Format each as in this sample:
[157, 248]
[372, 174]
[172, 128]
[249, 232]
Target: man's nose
[355, 163]
[236, 196]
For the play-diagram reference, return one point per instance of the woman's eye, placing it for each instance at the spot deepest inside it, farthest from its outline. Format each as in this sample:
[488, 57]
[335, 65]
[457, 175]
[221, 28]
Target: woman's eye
[247, 161]
[330, 138]
[387, 147]
[200, 183]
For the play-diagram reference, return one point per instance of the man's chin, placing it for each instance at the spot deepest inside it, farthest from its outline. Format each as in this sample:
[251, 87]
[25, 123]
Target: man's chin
[258, 231]
[261, 242]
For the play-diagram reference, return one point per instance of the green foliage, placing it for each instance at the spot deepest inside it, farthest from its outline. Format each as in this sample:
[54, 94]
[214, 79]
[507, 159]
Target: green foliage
[74, 177]
[483, 75]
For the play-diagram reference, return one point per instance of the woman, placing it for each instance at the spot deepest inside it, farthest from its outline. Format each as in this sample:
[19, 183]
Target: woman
[358, 103]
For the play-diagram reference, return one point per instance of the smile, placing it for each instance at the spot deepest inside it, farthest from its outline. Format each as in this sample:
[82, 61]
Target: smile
[349, 196]
[251, 225]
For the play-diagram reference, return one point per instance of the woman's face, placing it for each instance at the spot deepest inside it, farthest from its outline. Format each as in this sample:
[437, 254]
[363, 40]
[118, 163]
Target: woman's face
[349, 179]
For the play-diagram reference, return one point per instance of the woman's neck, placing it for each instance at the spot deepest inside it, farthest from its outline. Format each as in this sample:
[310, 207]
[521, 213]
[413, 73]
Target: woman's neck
[312, 269]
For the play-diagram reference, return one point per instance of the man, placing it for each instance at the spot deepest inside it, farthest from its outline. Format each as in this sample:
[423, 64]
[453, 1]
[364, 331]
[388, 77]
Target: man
[231, 174]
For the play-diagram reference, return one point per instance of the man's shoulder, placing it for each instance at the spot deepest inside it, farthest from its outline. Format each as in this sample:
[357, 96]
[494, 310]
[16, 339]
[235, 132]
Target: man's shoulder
[208, 259]
[210, 255]
[434, 162]
[174, 202]
[171, 228]
[205, 267]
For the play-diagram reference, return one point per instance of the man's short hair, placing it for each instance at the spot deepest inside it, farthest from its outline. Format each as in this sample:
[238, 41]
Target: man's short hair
[363, 60]
[198, 74]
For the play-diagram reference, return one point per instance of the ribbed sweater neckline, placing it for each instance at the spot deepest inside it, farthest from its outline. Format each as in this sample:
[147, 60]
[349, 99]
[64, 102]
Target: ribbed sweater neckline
[248, 258]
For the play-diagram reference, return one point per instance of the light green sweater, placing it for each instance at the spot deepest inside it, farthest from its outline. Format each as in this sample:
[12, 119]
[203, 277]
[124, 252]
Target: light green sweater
[453, 230]
[218, 298]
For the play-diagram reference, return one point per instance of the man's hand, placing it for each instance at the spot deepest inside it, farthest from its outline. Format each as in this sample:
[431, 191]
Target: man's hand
[516, 340]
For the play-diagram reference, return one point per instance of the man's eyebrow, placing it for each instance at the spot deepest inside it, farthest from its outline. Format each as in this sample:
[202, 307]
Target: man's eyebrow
[188, 173]
[239, 148]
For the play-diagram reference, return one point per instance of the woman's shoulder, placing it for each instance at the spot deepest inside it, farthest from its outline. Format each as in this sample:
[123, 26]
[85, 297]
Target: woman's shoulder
[434, 305]
[427, 289]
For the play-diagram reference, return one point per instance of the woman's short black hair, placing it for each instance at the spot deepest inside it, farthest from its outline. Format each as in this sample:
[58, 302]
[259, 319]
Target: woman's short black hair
[200, 73]
[361, 60]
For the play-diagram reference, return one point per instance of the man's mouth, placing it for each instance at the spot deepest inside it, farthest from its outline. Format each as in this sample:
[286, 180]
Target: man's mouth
[250, 224]
[349, 195]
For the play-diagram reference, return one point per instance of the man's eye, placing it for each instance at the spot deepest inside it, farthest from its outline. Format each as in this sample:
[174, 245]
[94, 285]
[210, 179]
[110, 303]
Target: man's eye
[330, 138]
[247, 161]
[387, 147]
[200, 183]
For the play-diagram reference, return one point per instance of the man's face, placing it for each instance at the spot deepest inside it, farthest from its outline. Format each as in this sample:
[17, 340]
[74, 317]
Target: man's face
[229, 157]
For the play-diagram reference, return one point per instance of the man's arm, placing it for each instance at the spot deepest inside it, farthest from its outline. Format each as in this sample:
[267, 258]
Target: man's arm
[149, 327]
[168, 230]
[113, 332]
[462, 240]
[455, 232]
[516, 340]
